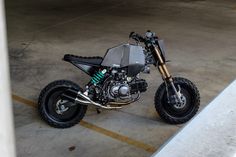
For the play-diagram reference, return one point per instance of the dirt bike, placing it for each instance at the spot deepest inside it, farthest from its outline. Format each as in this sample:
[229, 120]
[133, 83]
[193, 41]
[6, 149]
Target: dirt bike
[115, 82]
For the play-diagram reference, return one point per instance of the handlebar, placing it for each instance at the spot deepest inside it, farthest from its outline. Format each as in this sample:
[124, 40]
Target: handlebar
[136, 37]
[150, 36]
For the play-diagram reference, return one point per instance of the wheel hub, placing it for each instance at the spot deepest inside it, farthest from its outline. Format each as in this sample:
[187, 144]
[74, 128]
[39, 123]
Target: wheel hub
[176, 103]
[180, 105]
[60, 107]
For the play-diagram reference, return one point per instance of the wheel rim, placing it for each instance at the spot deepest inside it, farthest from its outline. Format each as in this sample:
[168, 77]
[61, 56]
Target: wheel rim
[182, 104]
[178, 111]
[52, 108]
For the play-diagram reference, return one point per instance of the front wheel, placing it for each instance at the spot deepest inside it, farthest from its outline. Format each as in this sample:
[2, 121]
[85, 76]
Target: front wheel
[56, 111]
[170, 109]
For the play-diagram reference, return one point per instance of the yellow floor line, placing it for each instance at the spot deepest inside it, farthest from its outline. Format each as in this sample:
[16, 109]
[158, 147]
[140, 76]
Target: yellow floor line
[98, 129]
[24, 101]
[119, 137]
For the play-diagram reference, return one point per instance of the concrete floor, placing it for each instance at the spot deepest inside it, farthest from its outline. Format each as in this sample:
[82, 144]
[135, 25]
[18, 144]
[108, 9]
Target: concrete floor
[212, 133]
[200, 38]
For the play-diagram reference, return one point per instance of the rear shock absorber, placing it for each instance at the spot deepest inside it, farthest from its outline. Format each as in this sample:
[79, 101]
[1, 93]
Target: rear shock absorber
[98, 77]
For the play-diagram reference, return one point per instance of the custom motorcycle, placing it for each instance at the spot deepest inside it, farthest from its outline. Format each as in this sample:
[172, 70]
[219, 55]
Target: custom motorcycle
[115, 82]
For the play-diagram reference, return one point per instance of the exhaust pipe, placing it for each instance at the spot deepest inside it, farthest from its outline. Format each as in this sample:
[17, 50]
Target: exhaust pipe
[78, 97]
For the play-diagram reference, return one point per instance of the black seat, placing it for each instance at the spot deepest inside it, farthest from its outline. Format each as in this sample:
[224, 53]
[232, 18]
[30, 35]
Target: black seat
[95, 61]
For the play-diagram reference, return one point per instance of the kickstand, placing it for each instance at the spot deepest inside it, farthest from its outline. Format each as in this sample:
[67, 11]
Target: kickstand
[98, 110]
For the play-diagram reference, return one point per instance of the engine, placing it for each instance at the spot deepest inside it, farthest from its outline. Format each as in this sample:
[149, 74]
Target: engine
[124, 88]
[118, 90]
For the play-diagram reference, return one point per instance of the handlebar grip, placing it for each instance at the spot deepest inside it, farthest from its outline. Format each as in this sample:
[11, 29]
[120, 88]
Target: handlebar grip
[131, 34]
[136, 37]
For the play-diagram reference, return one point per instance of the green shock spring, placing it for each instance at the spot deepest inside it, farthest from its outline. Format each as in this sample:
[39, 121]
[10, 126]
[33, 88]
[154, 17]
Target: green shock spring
[98, 77]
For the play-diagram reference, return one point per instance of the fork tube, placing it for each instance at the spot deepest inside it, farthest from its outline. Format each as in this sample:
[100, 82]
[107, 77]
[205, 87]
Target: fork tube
[162, 66]
[165, 73]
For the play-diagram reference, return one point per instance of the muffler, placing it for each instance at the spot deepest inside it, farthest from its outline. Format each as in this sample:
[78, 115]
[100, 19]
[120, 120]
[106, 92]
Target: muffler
[77, 97]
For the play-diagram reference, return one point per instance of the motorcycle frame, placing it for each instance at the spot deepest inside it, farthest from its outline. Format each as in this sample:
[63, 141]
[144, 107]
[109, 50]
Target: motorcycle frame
[158, 53]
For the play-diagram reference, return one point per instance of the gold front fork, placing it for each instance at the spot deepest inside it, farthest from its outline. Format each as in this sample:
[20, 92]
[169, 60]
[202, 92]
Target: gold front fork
[166, 75]
[162, 67]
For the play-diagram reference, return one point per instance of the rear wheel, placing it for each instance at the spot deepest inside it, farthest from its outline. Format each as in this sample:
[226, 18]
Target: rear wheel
[167, 106]
[54, 110]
